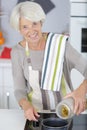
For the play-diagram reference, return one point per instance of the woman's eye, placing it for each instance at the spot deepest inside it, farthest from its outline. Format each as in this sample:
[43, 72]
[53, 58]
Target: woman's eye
[34, 23]
[24, 26]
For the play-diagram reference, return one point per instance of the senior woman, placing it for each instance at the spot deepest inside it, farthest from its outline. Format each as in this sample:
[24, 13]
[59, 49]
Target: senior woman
[42, 63]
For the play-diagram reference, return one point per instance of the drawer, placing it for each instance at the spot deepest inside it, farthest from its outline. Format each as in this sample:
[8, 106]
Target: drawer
[79, 9]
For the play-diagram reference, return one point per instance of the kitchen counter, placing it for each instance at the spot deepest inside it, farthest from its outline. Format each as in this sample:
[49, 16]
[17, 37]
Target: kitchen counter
[12, 119]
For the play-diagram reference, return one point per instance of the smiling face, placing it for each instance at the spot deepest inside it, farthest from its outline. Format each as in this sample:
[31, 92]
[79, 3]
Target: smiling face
[31, 31]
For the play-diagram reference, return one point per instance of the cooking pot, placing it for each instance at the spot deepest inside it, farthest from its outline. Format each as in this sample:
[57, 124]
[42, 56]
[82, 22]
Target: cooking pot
[54, 124]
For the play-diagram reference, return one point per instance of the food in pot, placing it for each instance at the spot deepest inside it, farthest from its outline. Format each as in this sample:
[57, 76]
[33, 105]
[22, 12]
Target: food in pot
[64, 111]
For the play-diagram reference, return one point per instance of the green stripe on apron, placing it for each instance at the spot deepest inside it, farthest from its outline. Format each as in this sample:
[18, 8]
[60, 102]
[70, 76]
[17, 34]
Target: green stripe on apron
[63, 86]
[56, 64]
[29, 96]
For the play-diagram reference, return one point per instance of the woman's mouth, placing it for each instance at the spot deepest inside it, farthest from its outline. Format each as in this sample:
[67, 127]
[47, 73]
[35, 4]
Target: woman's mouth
[34, 36]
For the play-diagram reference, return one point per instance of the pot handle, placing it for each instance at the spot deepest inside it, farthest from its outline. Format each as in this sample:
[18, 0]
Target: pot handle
[70, 124]
[37, 123]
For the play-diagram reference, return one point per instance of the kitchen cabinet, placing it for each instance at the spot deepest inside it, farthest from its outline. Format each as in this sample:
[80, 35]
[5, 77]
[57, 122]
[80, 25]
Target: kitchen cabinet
[12, 119]
[78, 25]
[7, 98]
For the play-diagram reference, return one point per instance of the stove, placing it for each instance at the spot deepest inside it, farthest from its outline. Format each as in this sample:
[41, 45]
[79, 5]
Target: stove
[36, 125]
[77, 123]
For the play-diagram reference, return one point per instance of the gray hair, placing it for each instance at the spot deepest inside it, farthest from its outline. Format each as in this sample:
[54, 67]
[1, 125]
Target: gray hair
[29, 10]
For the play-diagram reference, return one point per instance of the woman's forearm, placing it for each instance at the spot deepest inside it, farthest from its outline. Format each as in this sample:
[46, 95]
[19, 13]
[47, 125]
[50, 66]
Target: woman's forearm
[29, 111]
[84, 86]
[25, 104]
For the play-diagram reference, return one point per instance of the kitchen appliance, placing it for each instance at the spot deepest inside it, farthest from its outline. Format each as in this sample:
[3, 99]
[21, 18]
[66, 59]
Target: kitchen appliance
[78, 1]
[78, 25]
[78, 123]
[47, 118]
[78, 34]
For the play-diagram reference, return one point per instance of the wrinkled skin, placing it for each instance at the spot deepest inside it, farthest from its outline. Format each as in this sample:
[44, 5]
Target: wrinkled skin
[79, 96]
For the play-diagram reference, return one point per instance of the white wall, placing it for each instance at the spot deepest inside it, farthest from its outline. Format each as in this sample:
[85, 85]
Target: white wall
[57, 20]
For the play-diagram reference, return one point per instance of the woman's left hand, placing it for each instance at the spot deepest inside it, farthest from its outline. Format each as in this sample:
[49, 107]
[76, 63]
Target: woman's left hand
[79, 96]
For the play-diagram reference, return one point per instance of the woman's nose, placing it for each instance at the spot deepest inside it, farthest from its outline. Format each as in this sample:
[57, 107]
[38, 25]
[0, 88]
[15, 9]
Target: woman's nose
[30, 29]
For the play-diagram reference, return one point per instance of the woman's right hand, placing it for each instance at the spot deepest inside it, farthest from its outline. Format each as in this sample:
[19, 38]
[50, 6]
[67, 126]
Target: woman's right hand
[29, 111]
[31, 114]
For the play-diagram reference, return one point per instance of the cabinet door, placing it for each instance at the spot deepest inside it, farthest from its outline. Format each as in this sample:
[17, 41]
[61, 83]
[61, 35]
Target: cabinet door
[1, 76]
[1, 86]
[1, 99]
[8, 78]
[9, 99]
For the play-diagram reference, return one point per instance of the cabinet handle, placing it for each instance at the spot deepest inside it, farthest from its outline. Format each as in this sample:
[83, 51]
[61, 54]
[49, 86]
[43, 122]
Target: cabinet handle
[7, 94]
